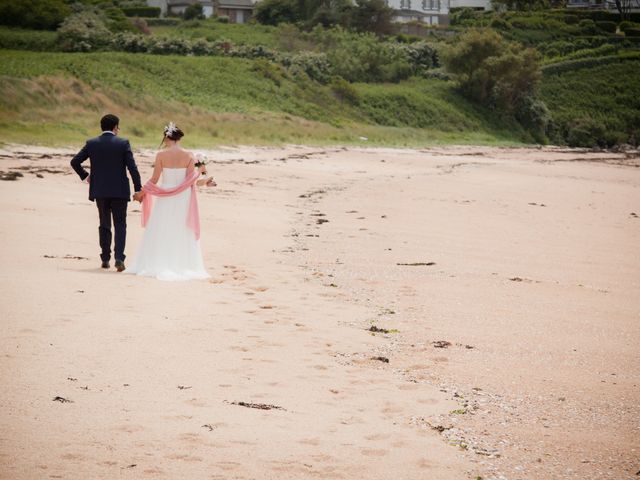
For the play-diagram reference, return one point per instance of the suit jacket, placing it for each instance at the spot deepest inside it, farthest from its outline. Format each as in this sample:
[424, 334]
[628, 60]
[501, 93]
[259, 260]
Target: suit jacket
[110, 156]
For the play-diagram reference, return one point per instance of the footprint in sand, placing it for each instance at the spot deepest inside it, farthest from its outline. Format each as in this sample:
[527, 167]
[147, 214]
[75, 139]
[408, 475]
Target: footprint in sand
[183, 457]
[377, 436]
[310, 441]
[228, 466]
[369, 452]
[129, 428]
[72, 456]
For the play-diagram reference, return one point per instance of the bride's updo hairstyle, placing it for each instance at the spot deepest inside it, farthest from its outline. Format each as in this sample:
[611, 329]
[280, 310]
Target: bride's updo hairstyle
[172, 132]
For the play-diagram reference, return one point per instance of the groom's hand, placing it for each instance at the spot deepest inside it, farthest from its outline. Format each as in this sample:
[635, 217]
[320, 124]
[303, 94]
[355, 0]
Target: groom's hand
[138, 196]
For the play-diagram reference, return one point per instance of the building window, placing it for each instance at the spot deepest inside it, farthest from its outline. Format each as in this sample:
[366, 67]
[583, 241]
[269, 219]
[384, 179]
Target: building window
[430, 5]
[405, 4]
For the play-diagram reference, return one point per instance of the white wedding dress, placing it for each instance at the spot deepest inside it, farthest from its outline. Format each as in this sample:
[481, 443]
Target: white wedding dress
[169, 249]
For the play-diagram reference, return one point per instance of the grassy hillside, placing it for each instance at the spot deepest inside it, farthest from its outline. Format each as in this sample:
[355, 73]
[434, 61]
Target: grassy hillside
[57, 98]
[213, 30]
[590, 85]
[598, 103]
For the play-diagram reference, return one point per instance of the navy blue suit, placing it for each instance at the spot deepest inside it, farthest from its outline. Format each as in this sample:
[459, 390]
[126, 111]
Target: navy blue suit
[110, 157]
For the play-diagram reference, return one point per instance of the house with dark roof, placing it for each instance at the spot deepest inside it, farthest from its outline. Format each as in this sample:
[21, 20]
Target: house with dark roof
[238, 11]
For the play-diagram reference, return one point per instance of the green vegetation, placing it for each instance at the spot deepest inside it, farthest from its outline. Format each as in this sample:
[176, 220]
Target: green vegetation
[57, 98]
[324, 71]
[214, 30]
[596, 105]
[37, 14]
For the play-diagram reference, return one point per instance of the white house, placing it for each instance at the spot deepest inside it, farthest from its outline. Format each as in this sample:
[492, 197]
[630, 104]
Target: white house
[431, 12]
[634, 5]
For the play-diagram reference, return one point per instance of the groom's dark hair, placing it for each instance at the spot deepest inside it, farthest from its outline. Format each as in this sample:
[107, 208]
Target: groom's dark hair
[109, 122]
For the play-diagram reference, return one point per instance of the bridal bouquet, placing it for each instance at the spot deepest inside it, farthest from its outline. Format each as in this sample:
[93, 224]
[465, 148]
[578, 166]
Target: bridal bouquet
[201, 161]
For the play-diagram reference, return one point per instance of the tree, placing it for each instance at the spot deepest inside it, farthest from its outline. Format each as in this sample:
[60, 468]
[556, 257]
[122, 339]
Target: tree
[193, 12]
[38, 14]
[372, 16]
[273, 12]
[305, 12]
[493, 72]
[624, 7]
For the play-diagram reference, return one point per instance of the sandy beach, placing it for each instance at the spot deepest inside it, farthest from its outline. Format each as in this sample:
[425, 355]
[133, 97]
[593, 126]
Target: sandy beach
[446, 313]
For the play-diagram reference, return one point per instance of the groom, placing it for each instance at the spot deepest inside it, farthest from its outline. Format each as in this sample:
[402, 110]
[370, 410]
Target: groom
[109, 158]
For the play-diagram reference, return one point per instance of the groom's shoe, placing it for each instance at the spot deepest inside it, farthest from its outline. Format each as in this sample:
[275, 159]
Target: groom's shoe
[120, 265]
[105, 264]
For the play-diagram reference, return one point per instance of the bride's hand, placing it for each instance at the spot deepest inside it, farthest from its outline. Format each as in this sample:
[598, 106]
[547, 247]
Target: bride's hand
[211, 182]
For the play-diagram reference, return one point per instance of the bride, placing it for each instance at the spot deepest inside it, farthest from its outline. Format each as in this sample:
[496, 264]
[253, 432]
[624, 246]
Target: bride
[170, 248]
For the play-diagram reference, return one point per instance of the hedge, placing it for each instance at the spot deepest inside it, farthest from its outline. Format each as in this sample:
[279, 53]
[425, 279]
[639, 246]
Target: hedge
[39, 41]
[162, 22]
[596, 15]
[606, 26]
[561, 67]
[149, 12]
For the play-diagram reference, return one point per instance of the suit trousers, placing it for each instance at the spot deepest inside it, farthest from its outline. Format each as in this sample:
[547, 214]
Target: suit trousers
[115, 208]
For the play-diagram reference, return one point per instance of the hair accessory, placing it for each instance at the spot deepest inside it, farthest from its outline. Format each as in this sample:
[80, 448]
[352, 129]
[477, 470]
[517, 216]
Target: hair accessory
[170, 130]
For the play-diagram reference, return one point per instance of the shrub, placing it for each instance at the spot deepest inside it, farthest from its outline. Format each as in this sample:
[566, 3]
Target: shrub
[632, 32]
[606, 26]
[129, 42]
[562, 67]
[162, 22]
[203, 47]
[116, 20]
[140, 24]
[500, 24]
[270, 70]
[223, 19]
[169, 46]
[533, 114]
[36, 14]
[627, 24]
[193, 23]
[586, 132]
[273, 12]
[463, 16]
[344, 91]
[361, 57]
[571, 19]
[18, 39]
[83, 32]
[493, 72]
[438, 74]
[193, 12]
[314, 65]
[370, 16]
[149, 12]
[422, 56]
[599, 52]
[588, 26]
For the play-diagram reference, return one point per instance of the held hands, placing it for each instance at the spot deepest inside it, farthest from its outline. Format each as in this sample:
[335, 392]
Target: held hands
[138, 196]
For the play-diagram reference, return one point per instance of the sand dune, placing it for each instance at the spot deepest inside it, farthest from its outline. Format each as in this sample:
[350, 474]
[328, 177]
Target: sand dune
[372, 313]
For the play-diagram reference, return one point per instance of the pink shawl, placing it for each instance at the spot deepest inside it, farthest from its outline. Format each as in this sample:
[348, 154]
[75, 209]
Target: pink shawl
[193, 216]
